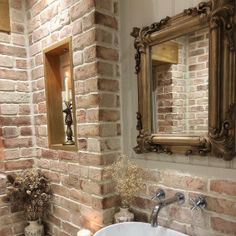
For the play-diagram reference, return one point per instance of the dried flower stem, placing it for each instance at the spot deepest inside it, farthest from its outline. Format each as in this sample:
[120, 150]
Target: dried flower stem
[127, 178]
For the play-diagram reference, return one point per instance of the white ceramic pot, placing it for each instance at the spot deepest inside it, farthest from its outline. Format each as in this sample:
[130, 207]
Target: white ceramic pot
[34, 229]
[124, 215]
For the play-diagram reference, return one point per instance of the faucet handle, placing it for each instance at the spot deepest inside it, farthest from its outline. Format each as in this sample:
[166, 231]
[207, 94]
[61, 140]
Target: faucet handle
[159, 195]
[199, 203]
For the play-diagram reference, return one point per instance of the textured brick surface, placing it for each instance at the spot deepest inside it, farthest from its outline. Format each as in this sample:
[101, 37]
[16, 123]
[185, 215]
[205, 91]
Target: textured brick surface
[15, 117]
[182, 88]
[218, 218]
[83, 196]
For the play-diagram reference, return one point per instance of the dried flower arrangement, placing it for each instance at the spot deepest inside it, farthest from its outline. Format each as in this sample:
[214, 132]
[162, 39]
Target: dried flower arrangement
[31, 190]
[127, 178]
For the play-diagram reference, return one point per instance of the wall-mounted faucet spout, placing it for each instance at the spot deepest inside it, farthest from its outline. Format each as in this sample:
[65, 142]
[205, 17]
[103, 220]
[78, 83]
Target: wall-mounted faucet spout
[179, 198]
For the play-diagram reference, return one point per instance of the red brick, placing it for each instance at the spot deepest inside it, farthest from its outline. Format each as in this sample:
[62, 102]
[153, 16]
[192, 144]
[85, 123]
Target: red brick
[38, 7]
[40, 33]
[88, 21]
[49, 13]
[59, 166]
[223, 226]
[69, 228]
[16, 4]
[103, 36]
[106, 202]
[107, 53]
[86, 71]
[26, 131]
[9, 109]
[223, 186]
[90, 54]
[18, 142]
[103, 5]
[67, 156]
[6, 231]
[7, 85]
[18, 40]
[88, 101]
[17, 28]
[96, 159]
[20, 164]
[10, 132]
[81, 196]
[105, 69]
[184, 182]
[60, 190]
[54, 220]
[88, 130]
[221, 205]
[84, 40]
[109, 115]
[77, 27]
[22, 86]
[81, 8]
[6, 61]
[40, 119]
[24, 109]
[109, 21]
[13, 74]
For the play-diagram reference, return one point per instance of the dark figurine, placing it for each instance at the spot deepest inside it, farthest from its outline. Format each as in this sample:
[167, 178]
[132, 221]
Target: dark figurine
[68, 122]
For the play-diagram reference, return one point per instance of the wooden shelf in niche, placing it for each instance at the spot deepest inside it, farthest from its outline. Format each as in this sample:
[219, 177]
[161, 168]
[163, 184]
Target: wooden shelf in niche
[59, 86]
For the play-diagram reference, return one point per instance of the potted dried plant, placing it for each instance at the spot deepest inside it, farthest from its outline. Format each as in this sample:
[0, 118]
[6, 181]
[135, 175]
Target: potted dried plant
[31, 190]
[128, 181]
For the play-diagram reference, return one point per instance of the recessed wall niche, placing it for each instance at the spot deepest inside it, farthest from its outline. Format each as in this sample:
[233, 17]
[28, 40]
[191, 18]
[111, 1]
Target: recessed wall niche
[5, 16]
[60, 100]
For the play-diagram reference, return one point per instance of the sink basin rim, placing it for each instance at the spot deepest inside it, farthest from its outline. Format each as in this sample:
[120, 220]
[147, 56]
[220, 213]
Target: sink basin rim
[136, 224]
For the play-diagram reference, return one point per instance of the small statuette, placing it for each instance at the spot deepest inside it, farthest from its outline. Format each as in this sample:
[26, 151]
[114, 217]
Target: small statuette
[68, 122]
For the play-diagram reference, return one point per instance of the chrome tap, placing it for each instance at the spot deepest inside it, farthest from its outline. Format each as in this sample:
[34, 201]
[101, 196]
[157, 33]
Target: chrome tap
[179, 198]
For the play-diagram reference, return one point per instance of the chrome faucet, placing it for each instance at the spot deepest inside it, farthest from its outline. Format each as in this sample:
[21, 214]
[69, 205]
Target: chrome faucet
[179, 198]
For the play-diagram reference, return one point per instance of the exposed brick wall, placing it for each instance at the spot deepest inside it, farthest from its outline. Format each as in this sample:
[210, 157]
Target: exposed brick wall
[182, 89]
[83, 197]
[15, 97]
[16, 130]
[193, 174]
[218, 219]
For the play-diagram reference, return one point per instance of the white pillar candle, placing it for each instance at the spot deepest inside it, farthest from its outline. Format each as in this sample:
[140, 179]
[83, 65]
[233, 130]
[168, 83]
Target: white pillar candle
[84, 232]
[67, 91]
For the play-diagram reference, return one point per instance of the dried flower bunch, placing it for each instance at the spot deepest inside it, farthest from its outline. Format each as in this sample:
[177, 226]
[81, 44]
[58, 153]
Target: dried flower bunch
[31, 190]
[127, 178]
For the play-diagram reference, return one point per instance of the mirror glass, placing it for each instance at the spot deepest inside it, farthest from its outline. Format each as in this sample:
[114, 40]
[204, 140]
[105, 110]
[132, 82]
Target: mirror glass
[180, 84]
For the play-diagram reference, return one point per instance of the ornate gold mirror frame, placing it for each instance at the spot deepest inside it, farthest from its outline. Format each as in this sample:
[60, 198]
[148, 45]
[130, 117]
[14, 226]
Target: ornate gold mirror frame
[219, 16]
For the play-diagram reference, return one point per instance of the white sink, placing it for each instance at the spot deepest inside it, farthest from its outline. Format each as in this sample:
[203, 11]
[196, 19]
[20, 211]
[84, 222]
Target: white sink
[136, 229]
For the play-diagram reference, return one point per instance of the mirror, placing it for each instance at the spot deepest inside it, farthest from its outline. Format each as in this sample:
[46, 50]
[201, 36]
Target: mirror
[185, 68]
[179, 83]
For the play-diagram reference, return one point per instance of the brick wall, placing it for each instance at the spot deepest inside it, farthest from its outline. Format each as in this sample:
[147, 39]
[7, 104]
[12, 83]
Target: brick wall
[82, 195]
[16, 130]
[218, 219]
[208, 176]
[182, 89]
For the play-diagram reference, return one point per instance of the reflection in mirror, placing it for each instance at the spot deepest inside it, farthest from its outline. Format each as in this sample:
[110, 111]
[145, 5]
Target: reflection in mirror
[180, 84]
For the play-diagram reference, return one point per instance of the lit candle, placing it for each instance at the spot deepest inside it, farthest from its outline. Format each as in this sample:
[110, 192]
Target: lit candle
[84, 232]
[67, 91]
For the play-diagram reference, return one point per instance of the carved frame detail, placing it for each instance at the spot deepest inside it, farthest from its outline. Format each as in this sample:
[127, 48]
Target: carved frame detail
[219, 17]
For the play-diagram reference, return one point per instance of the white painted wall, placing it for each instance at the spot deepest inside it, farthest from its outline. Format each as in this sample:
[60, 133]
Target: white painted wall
[140, 13]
